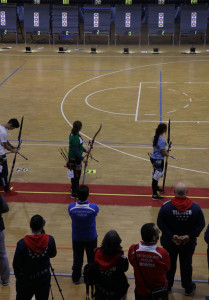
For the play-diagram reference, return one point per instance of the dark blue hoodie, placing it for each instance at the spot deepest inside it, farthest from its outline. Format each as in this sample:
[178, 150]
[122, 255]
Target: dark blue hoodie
[172, 221]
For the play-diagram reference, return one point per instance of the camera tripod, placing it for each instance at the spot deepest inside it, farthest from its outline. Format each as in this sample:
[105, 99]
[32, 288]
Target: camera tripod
[59, 288]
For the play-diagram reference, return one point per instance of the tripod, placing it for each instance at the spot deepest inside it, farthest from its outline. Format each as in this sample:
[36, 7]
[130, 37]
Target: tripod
[60, 290]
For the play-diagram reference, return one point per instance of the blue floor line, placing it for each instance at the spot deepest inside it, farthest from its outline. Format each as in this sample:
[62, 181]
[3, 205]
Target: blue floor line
[12, 74]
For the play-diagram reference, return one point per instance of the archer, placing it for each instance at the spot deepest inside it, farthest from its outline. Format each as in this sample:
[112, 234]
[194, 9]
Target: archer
[75, 157]
[157, 159]
[5, 144]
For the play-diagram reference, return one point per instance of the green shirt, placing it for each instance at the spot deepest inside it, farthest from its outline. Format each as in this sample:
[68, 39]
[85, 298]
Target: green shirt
[75, 140]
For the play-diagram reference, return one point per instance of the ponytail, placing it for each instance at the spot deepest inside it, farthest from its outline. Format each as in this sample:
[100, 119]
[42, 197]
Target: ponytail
[159, 130]
[77, 125]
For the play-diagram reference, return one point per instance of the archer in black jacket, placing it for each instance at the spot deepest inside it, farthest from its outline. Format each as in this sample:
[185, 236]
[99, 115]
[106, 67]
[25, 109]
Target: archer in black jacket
[31, 262]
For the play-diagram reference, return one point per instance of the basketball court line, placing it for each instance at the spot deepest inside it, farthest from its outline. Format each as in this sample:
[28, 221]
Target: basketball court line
[129, 277]
[161, 106]
[15, 71]
[173, 121]
[112, 148]
[120, 195]
[101, 194]
[120, 145]
[138, 102]
[109, 112]
[86, 54]
[125, 250]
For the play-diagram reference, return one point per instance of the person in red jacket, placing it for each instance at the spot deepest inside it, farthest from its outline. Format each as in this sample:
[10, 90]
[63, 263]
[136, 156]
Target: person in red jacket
[150, 260]
[112, 283]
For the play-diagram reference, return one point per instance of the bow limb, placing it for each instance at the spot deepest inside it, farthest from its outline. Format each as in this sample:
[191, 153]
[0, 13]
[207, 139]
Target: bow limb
[19, 144]
[89, 152]
[168, 150]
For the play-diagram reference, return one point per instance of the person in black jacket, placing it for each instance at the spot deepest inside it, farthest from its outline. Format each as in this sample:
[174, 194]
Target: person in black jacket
[181, 222]
[207, 241]
[4, 263]
[31, 262]
[111, 265]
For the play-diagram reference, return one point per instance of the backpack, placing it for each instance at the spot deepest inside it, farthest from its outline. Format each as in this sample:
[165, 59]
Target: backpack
[90, 279]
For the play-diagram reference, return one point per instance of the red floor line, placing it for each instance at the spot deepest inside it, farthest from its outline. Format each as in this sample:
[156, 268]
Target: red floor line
[70, 248]
[101, 194]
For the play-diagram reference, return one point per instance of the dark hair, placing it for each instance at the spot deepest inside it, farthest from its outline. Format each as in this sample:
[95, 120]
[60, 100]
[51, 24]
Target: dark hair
[159, 130]
[148, 231]
[77, 125]
[111, 243]
[37, 223]
[14, 123]
[83, 192]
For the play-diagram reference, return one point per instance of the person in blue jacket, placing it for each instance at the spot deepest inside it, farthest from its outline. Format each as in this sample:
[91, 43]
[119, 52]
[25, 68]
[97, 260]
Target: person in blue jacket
[31, 262]
[181, 222]
[84, 235]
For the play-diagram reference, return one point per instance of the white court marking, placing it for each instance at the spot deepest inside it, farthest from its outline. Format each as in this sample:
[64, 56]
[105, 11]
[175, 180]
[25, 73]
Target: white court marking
[164, 121]
[117, 146]
[107, 111]
[114, 72]
[138, 101]
[171, 111]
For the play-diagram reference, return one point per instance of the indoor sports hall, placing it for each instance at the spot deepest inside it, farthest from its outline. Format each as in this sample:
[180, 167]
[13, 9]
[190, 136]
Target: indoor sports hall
[128, 81]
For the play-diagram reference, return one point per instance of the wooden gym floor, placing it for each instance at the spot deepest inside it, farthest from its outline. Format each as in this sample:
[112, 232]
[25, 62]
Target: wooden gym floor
[129, 94]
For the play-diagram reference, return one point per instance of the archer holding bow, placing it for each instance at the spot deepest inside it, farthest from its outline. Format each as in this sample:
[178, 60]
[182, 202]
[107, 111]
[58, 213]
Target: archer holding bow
[157, 159]
[75, 157]
[5, 144]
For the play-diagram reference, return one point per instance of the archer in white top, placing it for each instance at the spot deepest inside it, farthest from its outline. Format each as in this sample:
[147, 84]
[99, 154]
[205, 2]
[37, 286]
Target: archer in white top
[5, 144]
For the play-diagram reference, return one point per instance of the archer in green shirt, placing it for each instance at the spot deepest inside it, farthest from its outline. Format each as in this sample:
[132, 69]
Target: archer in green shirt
[75, 156]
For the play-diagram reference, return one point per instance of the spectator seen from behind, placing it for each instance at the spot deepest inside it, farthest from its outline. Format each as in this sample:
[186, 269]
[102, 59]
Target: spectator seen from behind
[4, 263]
[150, 260]
[207, 241]
[31, 262]
[181, 222]
[111, 264]
[84, 234]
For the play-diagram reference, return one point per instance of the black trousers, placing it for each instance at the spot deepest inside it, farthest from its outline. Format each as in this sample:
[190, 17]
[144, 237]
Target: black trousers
[100, 296]
[27, 289]
[75, 183]
[4, 174]
[185, 253]
[138, 297]
[155, 182]
[78, 253]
